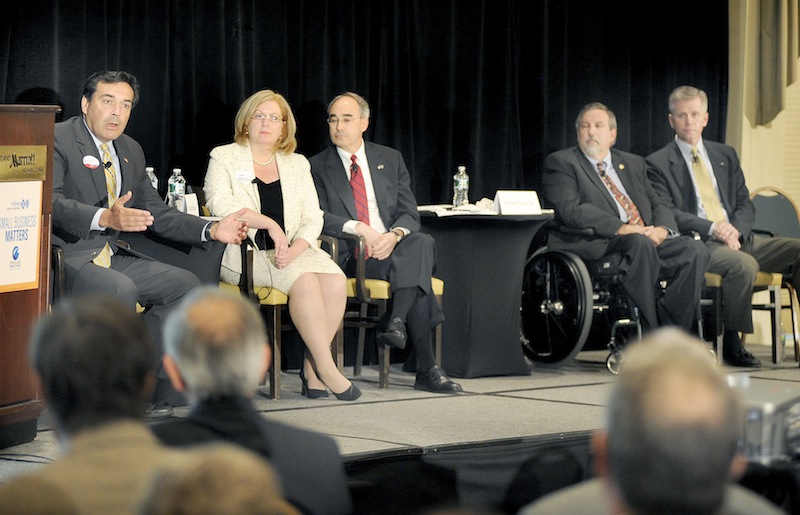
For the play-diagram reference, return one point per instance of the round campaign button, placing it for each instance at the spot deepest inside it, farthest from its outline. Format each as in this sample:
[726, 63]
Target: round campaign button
[91, 162]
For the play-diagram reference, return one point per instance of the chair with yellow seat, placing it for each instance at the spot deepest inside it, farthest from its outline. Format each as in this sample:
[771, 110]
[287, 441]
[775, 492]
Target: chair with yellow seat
[764, 281]
[363, 294]
[275, 303]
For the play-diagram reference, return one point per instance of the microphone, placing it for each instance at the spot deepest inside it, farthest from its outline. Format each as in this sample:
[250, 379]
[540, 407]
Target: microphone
[107, 165]
[254, 181]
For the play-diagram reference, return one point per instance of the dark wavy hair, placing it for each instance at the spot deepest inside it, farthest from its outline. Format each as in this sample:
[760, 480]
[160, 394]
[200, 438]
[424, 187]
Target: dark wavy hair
[111, 77]
[94, 356]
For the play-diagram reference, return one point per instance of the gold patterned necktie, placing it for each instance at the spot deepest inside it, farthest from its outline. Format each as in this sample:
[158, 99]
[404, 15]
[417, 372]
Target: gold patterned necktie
[708, 195]
[104, 257]
[627, 204]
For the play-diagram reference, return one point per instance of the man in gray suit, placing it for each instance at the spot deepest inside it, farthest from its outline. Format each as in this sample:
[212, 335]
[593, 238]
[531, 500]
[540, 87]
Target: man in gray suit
[100, 189]
[365, 189]
[723, 219]
[606, 191]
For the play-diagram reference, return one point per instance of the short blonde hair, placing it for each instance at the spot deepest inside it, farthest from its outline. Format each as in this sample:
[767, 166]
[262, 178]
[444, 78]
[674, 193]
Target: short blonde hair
[216, 477]
[288, 142]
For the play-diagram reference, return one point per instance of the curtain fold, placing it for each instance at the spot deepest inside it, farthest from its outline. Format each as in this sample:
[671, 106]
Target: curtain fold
[776, 66]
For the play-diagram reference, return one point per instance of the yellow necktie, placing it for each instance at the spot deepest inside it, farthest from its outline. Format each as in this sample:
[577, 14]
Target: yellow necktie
[708, 195]
[104, 258]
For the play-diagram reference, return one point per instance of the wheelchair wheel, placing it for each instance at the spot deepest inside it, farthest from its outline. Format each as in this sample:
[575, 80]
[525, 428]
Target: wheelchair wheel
[614, 362]
[556, 307]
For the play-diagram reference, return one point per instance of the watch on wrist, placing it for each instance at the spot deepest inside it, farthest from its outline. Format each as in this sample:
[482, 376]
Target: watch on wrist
[207, 232]
[399, 233]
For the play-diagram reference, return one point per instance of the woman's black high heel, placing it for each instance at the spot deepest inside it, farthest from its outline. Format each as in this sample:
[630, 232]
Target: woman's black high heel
[350, 394]
[311, 393]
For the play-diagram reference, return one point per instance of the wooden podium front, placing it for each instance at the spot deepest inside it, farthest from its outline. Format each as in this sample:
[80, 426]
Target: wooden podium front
[26, 165]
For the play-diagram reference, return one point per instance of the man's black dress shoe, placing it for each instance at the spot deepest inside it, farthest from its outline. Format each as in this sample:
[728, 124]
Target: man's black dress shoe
[435, 380]
[394, 334]
[741, 358]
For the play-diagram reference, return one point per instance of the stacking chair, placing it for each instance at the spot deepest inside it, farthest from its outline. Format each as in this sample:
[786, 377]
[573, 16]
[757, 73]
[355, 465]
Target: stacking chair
[777, 215]
[275, 303]
[368, 301]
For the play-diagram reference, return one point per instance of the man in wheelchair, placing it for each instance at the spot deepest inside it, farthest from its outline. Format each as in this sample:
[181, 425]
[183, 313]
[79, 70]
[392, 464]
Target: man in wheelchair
[604, 205]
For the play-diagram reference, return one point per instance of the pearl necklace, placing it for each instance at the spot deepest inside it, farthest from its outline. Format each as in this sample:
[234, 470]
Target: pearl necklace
[264, 163]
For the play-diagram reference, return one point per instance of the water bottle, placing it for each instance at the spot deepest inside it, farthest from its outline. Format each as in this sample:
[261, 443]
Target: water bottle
[461, 187]
[151, 173]
[176, 190]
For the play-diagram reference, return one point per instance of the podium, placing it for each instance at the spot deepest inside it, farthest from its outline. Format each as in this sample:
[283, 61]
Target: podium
[26, 192]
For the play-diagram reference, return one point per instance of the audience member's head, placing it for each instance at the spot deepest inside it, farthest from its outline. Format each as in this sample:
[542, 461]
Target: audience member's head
[216, 479]
[215, 345]
[672, 430]
[95, 360]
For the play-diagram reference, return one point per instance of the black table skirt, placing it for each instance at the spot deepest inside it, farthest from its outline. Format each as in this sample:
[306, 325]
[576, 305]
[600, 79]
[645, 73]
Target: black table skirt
[481, 259]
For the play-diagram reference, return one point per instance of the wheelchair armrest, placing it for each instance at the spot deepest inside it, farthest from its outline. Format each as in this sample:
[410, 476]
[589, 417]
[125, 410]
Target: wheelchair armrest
[763, 232]
[362, 292]
[59, 281]
[580, 231]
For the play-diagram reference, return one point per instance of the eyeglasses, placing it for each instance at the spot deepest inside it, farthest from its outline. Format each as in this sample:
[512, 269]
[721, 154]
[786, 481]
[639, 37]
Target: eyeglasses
[274, 118]
[333, 120]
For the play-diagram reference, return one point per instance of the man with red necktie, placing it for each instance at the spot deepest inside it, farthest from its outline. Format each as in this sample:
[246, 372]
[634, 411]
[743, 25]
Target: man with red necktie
[365, 189]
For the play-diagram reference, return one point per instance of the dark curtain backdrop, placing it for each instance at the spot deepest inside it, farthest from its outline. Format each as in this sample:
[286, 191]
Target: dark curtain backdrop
[492, 84]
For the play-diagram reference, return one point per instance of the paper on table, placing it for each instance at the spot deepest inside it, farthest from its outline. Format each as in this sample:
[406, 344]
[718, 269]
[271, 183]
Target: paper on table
[449, 210]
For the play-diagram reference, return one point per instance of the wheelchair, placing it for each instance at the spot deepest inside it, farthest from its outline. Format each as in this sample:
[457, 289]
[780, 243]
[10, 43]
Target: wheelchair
[565, 300]
[569, 305]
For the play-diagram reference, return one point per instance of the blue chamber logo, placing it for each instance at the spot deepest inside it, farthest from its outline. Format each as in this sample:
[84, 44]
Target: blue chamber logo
[15, 253]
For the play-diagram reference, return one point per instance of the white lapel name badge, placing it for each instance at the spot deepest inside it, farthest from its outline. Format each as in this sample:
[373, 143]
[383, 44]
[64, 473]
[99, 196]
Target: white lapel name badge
[91, 162]
[244, 176]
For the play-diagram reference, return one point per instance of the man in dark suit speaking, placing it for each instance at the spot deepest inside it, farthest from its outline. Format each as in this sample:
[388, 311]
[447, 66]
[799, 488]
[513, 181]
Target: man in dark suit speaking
[703, 182]
[593, 187]
[365, 189]
[100, 189]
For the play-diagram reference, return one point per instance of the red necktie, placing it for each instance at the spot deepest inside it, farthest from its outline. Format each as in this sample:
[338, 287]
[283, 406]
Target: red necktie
[627, 204]
[359, 192]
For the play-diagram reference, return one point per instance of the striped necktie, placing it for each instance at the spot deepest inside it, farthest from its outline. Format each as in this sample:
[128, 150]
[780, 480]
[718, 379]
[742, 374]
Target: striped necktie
[359, 191]
[104, 257]
[627, 204]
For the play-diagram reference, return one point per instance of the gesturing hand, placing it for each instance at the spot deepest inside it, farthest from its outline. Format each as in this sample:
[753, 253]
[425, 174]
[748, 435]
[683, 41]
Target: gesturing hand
[230, 229]
[128, 219]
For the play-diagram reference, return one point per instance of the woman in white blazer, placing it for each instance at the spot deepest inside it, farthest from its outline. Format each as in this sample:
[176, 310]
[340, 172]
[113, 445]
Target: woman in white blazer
[261, 172]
